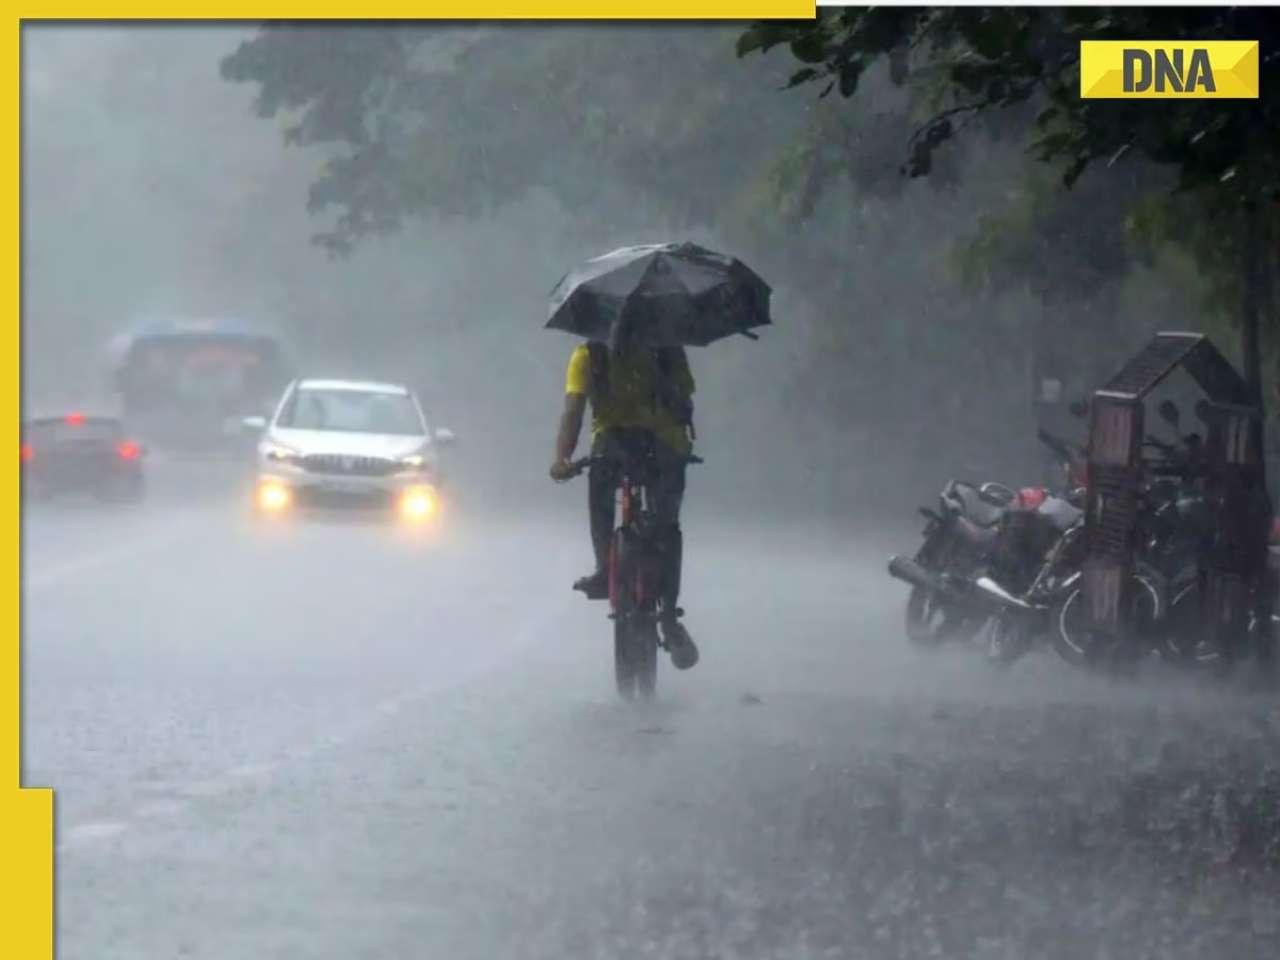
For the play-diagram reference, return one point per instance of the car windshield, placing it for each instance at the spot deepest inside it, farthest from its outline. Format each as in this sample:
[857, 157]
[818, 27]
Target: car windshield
[351, 411]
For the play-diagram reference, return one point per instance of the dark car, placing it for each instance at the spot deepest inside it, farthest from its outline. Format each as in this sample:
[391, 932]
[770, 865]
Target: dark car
[76, 453]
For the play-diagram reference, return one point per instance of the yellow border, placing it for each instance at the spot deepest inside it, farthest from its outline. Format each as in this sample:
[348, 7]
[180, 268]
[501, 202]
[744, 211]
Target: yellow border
[27, 921]
[461, 10]
[26, 925]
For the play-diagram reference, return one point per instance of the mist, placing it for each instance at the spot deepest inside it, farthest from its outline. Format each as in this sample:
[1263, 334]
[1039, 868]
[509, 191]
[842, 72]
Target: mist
[338, 738]
[152, 191]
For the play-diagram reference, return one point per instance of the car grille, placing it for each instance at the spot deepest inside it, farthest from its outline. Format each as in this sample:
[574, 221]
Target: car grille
[331, 463]
[338, 500]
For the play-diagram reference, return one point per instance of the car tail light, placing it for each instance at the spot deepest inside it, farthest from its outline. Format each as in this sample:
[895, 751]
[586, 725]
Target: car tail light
[74, 419]
[27, 453]
[128, 450]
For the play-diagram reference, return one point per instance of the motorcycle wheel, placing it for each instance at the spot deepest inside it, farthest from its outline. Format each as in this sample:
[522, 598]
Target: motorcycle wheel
[1006, 641]
[931, 620]
[1079, 644]
[1181, 631]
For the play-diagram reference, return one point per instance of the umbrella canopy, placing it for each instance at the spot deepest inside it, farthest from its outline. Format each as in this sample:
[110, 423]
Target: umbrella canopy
[660, 295]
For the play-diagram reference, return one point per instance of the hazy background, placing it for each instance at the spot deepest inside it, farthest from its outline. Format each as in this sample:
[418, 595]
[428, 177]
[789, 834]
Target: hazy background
[151, 189]
[337, 739]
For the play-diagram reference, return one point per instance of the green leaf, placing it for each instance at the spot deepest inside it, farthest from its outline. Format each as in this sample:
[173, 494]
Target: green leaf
[992, 35]
[809, 45]
[1073, 171]
[849, 77]
[802, 76]
[758, 36]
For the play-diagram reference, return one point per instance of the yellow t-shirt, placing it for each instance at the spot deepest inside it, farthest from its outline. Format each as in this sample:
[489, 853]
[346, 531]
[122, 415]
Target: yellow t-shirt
[630, 402]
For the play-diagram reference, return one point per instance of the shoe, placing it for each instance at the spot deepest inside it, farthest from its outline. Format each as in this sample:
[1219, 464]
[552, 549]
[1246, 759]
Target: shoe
[594, 585]
[684, 652]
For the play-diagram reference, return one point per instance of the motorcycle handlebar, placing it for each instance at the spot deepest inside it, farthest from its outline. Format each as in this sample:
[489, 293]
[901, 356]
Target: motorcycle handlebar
[1059, 446]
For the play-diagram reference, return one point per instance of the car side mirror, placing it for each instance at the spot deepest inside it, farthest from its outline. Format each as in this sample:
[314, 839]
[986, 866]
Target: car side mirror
[256, 424]
[1170, 413]
[445, 436]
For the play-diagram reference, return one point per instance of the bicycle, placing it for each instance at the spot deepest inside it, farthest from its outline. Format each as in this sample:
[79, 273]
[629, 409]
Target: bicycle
[636, 570]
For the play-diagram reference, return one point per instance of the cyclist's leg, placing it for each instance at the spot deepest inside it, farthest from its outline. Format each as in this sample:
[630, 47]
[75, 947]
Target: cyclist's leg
[666, 497]
[602, 484]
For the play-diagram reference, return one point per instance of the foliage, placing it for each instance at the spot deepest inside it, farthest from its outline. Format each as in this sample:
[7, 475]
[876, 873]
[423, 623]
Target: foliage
[1001, 58]
[656, 129]
[606, 119]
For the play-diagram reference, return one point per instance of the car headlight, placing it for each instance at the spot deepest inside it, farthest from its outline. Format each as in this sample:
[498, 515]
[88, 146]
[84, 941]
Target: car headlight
[413, 462]
[273, 497]
[280, 454]
[419, 504]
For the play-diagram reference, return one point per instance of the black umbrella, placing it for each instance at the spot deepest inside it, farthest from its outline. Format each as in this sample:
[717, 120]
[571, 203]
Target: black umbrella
[660, 295]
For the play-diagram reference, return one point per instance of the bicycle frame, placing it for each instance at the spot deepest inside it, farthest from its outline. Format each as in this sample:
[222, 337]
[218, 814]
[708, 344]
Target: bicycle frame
[636, 577]
[632, 510]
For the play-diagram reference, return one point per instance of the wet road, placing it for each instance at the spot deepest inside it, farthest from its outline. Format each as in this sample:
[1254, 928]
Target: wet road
[339, 741]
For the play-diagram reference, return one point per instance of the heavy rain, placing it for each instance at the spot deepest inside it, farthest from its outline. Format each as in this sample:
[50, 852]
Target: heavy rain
[321, 661]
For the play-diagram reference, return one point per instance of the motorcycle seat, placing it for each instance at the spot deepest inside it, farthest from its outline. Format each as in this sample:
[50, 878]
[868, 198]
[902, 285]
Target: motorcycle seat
[975, 509]
[975, 535]
[1061, 513]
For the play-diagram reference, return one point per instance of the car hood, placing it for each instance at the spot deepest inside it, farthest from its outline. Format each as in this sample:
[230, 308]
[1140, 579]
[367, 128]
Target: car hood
[308, 442]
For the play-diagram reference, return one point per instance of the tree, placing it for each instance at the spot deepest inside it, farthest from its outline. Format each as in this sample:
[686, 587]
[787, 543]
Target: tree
[648, 131]
[996, 59]
[444, 121]
[980, 62]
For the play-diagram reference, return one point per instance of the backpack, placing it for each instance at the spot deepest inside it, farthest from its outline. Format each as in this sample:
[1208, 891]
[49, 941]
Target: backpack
[665, 393]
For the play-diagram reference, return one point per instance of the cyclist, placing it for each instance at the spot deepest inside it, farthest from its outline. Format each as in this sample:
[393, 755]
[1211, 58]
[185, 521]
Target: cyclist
[642, 409]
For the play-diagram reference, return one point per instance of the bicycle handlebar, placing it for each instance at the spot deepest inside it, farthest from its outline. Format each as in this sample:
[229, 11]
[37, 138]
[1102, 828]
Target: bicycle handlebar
[576, 467]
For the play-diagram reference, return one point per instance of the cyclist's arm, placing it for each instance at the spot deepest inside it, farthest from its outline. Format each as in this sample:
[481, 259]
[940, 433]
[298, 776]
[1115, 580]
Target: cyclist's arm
[575, 405]
[686, 381]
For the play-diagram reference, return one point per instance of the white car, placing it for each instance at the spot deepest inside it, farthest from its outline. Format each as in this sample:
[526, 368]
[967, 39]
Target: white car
[336, 443]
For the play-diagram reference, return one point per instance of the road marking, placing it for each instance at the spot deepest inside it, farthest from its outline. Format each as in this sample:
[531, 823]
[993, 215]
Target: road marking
[51, 576]
[183, 794]
[248, 771]
[88, 832]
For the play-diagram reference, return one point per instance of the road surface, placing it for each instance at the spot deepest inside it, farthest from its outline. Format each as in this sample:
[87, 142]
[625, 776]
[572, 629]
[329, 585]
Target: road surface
[339, 741]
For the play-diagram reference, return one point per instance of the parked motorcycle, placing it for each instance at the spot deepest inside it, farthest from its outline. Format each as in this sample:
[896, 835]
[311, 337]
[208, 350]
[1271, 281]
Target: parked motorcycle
[981, 550]
[958, 540]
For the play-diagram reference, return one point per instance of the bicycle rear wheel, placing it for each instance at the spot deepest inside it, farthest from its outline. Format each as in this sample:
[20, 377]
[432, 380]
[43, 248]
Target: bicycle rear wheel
[635, 626]
[623, 669]
[644, 655]
[623, 601]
